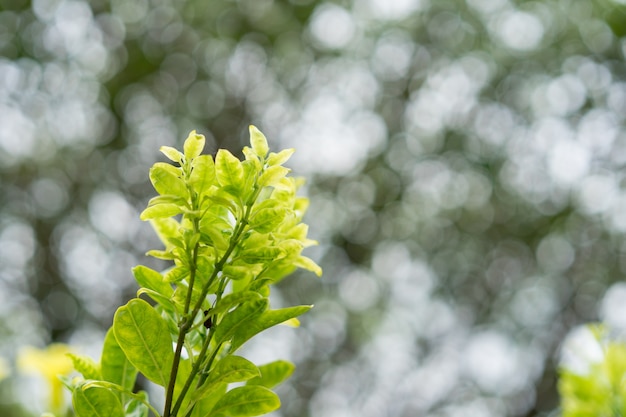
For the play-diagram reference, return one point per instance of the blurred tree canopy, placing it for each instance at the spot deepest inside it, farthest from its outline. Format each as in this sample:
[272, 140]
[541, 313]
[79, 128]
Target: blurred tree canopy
[464, 162]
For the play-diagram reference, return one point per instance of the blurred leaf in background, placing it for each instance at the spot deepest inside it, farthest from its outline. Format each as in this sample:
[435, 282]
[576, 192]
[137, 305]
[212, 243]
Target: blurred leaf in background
[466, 178]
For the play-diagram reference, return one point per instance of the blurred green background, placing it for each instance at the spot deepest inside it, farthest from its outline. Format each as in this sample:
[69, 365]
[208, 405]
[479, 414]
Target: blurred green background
[465, 165]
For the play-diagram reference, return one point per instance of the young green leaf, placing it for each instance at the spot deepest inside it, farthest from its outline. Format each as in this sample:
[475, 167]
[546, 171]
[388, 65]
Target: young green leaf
[193, 146]
[260, 255]
[272, 175]
[153, 280]
[144, 337]
[228, 169]
[308, 264]
[159, 211]
[240, 317]
[203, 174]
[266, 220]
[273, 373]
[172, 154]
[86, 366]
[177, 274]
[166, 180]
[96, 402]
[246, 401]
[116, 368]
[280, 157]
[258, 142]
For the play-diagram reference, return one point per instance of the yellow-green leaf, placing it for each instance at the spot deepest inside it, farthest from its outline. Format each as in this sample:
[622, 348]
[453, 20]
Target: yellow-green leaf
[193, 146]
[172, 154]
[159, 211]
[228, 169]
[280, 157]
[203, 174]
[96, 402]
[272, 175]
[166, 180]
[258, 142]
[144, 337]
[246, 401]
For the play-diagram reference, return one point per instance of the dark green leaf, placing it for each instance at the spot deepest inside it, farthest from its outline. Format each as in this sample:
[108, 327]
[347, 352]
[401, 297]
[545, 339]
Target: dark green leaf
[246, 401]
[264, 321]
[238, 318]
[144, 337]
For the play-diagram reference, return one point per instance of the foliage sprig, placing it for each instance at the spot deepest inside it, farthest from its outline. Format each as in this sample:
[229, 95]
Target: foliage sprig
[231, 229]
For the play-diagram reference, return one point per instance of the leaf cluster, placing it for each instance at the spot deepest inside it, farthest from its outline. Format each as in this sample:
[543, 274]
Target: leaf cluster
[601, 391]
[231, 229]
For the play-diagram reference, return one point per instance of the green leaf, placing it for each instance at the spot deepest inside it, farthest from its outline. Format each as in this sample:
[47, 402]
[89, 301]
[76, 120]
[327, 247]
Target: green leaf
[258, 142]
[177, 274]
[203, 407]
[261, 255]
[246, 401]
[228, 169]
[193, 146]
[272, 175]
[86, 366]
[167, 199]
[266, 220]
[203, 174]
[153, 280]
[115, 366]
[228, 370]
[144, 337]
[172, 154]
[264, 321]
[159, 211]
[166, 180]
[136, 407]
[233, 300]
[240, 317]
[308, 264]
[96, 402]
[233, 369]
[280, 157]
[273, 373]
[236, 272]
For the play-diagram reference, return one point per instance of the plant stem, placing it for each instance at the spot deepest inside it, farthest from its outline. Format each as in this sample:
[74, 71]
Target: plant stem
[184, 327]
[187, 322]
